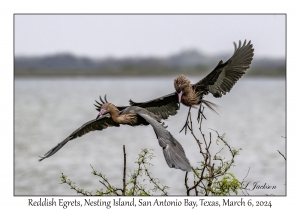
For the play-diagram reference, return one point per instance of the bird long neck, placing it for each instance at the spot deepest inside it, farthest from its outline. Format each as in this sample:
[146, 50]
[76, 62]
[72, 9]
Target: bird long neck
[189, 95]
[129, 119]
[121, 118]
[115, 114]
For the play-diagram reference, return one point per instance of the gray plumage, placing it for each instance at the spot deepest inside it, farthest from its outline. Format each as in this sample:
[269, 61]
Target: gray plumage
[172, 150]
[218, 82]
[225, 75]
[92, 125]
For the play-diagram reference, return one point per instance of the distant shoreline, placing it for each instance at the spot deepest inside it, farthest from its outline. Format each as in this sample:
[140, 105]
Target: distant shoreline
[189, 62]
[135, 75]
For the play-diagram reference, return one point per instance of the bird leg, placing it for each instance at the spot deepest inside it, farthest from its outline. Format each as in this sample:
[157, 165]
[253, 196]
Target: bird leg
[186, 122]
[200, 112]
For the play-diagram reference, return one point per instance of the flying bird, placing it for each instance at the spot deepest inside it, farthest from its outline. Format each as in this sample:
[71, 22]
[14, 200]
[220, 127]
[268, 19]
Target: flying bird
[109, 116]
[218, 82]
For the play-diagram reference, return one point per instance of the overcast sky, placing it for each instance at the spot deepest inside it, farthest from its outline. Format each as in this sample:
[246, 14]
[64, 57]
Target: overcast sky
[147, 35]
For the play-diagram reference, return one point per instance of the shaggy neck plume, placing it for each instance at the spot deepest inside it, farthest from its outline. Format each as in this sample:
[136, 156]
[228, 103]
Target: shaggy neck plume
[120, 119]
[189, 96]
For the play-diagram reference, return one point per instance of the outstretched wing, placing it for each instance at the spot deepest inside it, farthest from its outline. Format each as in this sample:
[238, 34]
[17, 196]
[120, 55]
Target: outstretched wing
[225, 75]
[172, 149]
[99, 124]
[163, 106]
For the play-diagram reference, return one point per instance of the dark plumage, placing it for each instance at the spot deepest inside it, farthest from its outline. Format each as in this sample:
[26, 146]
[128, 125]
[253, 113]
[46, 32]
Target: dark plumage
[218, 83]
[163, 107]
[109, 115]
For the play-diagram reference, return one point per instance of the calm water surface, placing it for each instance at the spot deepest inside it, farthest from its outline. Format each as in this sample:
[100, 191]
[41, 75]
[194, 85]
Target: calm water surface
[48, 110]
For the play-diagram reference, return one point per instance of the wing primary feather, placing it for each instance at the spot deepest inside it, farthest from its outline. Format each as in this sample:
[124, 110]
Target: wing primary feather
[234, 46]
[224, 76]
[54, 149]
[99, 124]
[172, 149]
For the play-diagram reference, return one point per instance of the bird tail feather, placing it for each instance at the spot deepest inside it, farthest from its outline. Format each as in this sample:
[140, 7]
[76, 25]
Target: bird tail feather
[211, 106]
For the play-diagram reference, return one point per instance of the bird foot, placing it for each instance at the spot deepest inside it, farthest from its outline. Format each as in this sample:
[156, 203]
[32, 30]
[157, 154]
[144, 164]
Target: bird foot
[185, 126]
[200, 112]
[186, 122]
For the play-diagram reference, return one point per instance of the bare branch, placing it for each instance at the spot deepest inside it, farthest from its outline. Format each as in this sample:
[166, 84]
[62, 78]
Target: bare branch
[124, 170]
[186, 184]
[282, 155]
[155, 182]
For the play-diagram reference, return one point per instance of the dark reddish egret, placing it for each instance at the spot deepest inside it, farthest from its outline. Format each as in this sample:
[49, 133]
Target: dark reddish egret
[109, 115]
[218, 83]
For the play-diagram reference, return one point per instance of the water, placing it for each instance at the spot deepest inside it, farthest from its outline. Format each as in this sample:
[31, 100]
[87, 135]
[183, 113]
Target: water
[48, 110]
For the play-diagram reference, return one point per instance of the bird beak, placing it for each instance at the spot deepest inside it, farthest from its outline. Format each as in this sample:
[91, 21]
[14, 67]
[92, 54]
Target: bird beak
[102, 111]
[179, 96]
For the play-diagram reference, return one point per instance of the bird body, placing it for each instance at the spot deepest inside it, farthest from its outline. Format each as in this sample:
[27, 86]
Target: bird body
[187, 94]
[218, 82]
[109, 115]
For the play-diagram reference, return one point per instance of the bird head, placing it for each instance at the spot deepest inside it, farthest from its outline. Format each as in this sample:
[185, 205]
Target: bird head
[180, 84]
[105, 108]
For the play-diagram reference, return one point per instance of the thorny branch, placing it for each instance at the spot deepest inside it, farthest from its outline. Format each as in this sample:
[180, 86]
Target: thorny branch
[281, 154]
[206, 177]
[210, 178]
[132, 187]
[64, 180]
[124, 172]
[110, 190]
[142, 161]
[245, 193]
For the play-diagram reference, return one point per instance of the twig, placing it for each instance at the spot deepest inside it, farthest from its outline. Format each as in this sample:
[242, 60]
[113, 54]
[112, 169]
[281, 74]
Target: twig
[246, 174]
[220, 137]
[134, 176]
[198, 182]
[282, 154]
[124, 172]
[154, 182]
[192, 132]
[105, 183]
[186, 184]
[243, 182]
[207, 178]
[196, 191]
[73, 186]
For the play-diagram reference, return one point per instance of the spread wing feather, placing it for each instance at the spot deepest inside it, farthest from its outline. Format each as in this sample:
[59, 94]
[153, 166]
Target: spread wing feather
[163, 107]
[99, 124]
[225, 75]
[172, 149]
